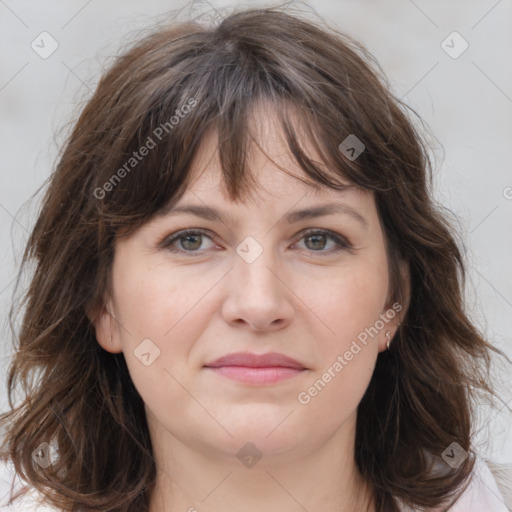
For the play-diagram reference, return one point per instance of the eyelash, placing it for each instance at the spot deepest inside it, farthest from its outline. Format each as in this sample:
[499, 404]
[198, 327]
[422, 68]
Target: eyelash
[342, 243]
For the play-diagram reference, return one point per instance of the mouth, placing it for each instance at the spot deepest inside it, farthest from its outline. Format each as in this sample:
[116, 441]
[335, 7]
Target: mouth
[256, 369]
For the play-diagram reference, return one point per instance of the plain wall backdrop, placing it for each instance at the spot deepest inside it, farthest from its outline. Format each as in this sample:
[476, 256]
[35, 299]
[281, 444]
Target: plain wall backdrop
[52, 53]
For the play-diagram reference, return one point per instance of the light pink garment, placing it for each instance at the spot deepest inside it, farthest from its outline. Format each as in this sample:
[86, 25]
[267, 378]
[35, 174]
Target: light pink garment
[482, 494]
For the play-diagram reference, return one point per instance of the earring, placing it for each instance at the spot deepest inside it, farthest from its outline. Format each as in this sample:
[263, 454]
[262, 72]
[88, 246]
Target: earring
[388, 336]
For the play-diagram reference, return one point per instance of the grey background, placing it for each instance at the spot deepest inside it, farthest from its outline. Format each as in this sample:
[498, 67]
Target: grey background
[466, 101]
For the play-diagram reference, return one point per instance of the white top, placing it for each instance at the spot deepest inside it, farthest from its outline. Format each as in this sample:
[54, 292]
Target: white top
[482, 494]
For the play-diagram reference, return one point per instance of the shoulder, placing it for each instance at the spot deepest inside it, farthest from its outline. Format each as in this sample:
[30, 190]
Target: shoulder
[32, 501]
[481, 494]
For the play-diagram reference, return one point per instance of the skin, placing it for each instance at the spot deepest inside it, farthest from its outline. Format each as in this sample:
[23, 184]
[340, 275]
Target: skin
[298, 298]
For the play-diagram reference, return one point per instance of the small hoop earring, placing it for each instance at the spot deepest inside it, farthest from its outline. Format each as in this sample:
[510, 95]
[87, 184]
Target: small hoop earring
[388, 336]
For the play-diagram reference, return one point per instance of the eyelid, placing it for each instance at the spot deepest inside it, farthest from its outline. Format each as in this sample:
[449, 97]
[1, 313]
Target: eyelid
[166, 241]
[343, 242]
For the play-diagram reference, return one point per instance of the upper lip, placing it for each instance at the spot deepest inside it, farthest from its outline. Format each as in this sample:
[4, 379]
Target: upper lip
[270, 359]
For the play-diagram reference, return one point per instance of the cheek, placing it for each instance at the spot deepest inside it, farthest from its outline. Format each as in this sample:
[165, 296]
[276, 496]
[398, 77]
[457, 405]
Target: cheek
[156, 302]
[161, 314]
[350, 302]
[334, 395]
[348, 349]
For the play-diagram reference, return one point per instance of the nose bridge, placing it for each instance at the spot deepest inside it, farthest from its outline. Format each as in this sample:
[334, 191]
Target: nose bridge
[256, 264]
[256, 295]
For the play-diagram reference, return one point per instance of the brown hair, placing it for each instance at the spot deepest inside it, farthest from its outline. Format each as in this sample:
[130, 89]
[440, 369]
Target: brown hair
[81, 397]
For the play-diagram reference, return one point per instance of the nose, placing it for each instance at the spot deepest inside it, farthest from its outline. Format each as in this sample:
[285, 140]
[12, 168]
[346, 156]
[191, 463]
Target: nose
[258, 295]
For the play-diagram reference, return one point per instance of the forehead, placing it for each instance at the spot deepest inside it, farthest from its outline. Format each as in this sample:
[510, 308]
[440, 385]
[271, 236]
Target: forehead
[270, 162]
[279, 193]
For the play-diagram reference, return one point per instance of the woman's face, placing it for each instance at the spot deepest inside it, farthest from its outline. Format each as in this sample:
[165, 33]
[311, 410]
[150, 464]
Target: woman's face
[253, 282]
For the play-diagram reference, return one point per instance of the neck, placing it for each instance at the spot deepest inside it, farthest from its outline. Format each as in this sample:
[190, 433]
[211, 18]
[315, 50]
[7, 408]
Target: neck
[193, 478]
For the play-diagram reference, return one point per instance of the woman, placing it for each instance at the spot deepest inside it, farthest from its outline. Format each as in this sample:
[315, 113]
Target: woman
[244, 297]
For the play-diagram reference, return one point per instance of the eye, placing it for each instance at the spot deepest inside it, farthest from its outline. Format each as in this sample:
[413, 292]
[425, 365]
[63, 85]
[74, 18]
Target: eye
[190, 241]
[316, 241]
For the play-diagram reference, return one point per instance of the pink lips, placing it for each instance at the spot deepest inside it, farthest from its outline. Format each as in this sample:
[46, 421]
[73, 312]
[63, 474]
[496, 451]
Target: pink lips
[256, 369]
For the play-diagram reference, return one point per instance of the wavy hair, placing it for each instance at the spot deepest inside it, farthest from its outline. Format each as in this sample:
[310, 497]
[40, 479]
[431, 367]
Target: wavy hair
[80, 399]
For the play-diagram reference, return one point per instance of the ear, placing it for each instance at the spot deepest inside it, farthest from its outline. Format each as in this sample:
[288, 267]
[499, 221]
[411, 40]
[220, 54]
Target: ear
[395, 311]
[102, 316]
[405, 300]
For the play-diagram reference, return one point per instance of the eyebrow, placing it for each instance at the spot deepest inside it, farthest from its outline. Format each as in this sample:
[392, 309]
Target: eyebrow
[209, 213]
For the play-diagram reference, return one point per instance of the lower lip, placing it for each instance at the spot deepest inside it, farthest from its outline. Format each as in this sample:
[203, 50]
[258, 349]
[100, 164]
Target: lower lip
[252, 375]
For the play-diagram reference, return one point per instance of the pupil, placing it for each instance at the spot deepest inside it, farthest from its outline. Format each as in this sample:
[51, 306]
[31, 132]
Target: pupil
[315, 238]
[188, 237]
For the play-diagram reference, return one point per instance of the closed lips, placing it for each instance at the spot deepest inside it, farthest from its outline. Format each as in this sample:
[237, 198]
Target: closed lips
[269, 360]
